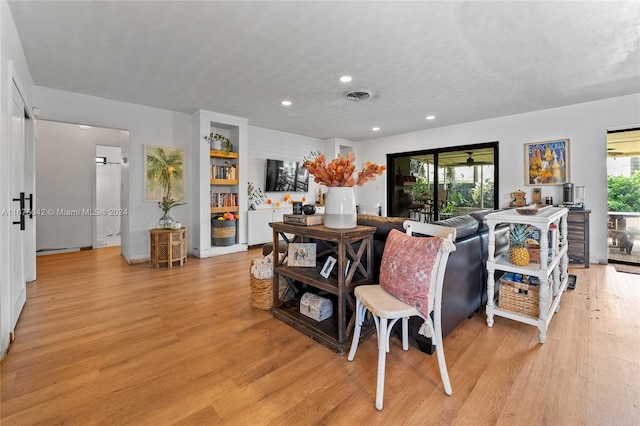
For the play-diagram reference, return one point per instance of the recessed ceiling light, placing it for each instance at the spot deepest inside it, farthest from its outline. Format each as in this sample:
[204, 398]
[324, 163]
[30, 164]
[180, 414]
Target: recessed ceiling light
[345, 78]
[375, 129]
[84, 126]
[286, 103]
[431, 117]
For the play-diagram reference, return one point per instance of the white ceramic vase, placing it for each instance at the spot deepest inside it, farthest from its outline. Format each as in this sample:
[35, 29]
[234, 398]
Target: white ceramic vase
[340, 208]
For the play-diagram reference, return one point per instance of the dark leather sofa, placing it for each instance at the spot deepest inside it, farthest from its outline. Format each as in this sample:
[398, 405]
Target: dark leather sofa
[464, 291]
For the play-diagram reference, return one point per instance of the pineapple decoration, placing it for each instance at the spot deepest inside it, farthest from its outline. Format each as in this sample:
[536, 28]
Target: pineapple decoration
[518, 234]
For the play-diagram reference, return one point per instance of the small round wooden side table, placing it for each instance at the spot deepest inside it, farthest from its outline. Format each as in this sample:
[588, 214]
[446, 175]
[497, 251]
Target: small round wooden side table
[168, 246]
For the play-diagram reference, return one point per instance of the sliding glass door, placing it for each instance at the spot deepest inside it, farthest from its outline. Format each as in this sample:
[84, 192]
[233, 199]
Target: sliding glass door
[435, 184]
[623, 196]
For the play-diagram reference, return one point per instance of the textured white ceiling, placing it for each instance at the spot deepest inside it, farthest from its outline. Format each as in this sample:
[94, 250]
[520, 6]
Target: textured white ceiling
[460, 61]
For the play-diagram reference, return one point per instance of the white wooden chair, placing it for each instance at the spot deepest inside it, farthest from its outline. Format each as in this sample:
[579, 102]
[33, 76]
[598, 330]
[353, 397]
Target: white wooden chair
[386, 307]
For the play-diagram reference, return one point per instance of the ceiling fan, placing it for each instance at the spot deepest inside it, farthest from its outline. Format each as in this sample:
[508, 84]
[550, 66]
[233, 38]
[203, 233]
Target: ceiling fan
[470, 161]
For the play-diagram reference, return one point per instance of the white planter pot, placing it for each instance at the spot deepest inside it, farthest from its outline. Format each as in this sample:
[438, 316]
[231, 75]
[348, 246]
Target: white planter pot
[340, 208]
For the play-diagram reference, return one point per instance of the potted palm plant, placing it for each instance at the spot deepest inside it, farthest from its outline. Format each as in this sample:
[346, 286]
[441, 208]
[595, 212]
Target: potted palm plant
[165, 167]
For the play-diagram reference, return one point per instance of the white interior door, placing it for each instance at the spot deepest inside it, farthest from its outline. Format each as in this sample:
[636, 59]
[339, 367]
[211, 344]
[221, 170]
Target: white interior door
[18, 288]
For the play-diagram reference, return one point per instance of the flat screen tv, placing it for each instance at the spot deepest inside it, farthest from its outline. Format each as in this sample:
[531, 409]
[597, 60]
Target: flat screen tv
[286, 176]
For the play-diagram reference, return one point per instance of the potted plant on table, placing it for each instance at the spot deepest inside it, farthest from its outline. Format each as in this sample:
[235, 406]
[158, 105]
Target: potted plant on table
[337, 175]
[219, 142]
[166, 221]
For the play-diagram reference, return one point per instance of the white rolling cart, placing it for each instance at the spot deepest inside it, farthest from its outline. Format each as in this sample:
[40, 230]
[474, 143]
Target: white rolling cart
[552, 268]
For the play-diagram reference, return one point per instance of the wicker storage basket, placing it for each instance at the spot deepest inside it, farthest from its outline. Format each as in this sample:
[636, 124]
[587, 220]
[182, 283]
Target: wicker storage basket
[262, 291]
[521, 297]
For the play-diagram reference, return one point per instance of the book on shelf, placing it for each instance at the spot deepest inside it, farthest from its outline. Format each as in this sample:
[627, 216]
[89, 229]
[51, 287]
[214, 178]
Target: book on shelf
[224, 172]
[223, 199]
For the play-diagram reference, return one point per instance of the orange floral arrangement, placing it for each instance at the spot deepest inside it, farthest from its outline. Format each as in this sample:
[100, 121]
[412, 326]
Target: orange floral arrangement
[339, 172]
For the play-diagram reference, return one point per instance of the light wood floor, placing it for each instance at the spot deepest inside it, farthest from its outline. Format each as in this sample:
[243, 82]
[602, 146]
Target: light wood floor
[103, 342]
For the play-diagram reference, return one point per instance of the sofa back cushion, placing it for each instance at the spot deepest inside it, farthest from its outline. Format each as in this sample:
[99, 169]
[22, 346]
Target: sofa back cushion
[465, 225]
[383, 224]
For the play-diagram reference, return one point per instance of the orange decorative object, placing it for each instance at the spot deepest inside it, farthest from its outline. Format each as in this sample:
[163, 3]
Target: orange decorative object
[339, 172]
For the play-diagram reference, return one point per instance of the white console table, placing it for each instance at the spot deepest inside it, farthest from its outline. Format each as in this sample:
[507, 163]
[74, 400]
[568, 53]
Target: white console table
[259, 231]
[555, 268]
[258, 221]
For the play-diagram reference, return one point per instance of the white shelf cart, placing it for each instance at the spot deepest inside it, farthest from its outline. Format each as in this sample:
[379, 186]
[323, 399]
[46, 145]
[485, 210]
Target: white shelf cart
[554, 268]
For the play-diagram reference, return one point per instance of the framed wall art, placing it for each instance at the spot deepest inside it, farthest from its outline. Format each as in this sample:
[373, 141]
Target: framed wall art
[302, 254]
[546, 163]
[164, 173]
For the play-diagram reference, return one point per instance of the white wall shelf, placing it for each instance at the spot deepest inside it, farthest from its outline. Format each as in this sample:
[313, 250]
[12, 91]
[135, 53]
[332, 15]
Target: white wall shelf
[236, 129]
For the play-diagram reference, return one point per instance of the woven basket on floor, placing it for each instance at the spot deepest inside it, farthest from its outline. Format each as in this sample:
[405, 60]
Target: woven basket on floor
[262, 291]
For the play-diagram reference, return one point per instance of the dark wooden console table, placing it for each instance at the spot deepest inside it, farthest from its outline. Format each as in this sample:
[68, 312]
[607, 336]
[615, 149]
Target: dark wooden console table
[578, 236]
[334, 332]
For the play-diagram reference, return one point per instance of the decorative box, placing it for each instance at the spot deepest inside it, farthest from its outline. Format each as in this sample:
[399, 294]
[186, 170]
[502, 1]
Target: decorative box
[316, 307]
[303, 219]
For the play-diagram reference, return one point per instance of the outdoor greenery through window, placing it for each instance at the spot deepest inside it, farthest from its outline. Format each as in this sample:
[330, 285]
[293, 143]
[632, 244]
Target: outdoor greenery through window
[436, 184]
[623, 196]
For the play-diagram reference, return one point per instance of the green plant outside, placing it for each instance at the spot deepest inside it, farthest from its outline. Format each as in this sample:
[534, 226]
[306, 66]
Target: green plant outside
[421, 189]
[624, 193]
[457, 199]
[484, 192]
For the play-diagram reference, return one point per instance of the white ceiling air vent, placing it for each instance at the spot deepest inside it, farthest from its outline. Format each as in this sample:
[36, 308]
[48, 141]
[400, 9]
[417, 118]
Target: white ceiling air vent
[357, 95]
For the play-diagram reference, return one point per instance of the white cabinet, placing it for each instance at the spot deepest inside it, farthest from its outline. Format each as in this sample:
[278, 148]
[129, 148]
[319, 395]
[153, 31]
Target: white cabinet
[259, 231]
[554, 269]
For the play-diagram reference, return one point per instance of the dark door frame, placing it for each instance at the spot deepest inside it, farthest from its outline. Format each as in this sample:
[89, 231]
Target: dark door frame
[435, 152]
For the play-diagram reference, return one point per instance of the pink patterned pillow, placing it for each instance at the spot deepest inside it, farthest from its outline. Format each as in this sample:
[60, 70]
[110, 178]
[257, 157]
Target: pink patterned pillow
[405, 271]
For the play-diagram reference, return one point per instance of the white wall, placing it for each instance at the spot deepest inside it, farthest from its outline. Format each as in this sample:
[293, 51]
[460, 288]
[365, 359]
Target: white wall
[276, 145]
[584, 124]
[146, 126]
[12, 63]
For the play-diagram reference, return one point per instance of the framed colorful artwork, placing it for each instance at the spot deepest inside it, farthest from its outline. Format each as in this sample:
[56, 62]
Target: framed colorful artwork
[164, 173]
[546, 163]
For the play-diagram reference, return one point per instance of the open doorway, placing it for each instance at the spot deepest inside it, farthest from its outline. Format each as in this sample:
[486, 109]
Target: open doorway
[108, 232]
[66, 184]
[623, 196]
